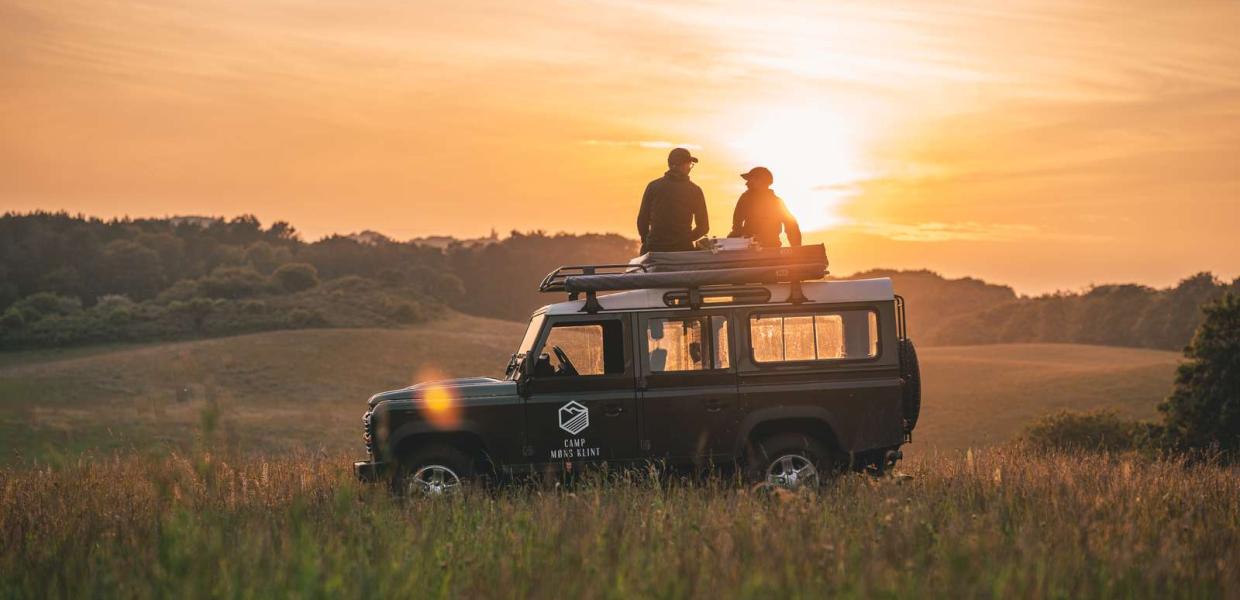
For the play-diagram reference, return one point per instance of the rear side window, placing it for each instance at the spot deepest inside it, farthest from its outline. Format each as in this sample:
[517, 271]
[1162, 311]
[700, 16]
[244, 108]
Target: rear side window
[834, 335]
[693, 344]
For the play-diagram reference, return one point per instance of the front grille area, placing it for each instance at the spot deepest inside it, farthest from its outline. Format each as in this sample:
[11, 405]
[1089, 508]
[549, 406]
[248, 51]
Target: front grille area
[368, 432]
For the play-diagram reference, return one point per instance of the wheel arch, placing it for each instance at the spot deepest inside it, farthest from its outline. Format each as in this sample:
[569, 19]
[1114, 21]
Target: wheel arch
[412, 437]
[813, 421]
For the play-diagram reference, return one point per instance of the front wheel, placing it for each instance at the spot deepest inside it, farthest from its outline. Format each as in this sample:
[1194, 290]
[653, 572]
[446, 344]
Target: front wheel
[434, 471]
[791, 461]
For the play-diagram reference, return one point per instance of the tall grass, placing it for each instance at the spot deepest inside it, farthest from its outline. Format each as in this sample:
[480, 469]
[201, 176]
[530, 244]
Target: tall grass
[995, 523]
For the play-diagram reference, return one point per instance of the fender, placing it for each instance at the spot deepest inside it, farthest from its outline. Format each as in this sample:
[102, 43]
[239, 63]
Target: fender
[419, 427]
[776, 413]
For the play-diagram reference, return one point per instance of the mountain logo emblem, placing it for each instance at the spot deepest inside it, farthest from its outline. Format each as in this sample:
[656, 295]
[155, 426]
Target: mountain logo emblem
[574, 418]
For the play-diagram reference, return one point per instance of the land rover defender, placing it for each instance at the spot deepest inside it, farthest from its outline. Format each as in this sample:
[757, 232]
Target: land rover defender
[789, 381]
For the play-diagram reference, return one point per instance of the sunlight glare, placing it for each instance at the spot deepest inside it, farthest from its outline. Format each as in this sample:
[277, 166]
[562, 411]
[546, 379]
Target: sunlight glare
[813, 153]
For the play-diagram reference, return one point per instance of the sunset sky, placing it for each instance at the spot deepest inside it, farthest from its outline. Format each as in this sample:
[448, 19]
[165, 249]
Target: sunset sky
[1047, 145]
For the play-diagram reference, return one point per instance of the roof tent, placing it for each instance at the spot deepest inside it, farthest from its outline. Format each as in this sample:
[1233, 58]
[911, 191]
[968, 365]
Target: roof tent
[693, 270]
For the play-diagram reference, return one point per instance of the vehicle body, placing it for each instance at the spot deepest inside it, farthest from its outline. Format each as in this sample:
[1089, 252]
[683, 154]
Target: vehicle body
[770, 377]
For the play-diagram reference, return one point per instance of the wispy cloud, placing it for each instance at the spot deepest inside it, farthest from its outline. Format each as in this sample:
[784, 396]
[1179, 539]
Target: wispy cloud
[965, 231]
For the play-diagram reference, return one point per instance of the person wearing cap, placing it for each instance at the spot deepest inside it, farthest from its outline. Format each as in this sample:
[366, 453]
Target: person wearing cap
[673, 211]
[760, 214]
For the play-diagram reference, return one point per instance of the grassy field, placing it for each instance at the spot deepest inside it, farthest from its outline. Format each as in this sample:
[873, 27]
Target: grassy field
[220, 468]
[992, 523]
[305, 390]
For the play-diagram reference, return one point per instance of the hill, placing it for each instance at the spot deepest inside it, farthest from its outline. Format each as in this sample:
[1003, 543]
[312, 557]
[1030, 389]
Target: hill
[291, 390]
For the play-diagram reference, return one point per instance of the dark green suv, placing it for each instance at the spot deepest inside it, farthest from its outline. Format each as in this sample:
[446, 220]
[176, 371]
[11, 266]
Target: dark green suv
[789, 382]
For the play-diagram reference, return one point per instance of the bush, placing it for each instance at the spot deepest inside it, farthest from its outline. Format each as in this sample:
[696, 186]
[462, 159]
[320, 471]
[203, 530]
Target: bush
[300, 317]
[43, 304]
[232, 283]
[1102, 431]
[182, 290]
[1203, 410]
[405, 312]
[296, 277]
[12, 319]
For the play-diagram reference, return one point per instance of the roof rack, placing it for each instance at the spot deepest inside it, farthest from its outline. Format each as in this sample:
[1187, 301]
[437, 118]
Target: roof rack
[692, 271]
[554, 281]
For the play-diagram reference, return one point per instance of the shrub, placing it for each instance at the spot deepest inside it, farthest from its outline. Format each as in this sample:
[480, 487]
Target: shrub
[1096, 430]
[296, 277]
[1203, 410]
[405, 312]
[233, 283]
[12, 319]
[300, 317]
[182, 290]
[42, 304]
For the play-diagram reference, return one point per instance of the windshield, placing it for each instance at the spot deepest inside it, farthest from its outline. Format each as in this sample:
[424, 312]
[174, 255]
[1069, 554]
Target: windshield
[531, 335]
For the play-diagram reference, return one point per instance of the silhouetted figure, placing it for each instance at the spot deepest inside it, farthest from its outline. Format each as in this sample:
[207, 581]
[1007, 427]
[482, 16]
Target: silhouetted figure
[760, 214]
[673, 212]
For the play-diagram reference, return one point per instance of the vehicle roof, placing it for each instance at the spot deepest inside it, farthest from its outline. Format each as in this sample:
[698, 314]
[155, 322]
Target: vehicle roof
[826, 292]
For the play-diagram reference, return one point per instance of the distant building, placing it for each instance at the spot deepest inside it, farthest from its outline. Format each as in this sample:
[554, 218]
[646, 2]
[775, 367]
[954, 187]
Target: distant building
[369, 238]
[203, 222]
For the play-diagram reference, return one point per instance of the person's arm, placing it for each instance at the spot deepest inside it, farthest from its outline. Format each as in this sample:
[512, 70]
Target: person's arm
[701, 223]
[643, 215]
[791, 227]
[739, 216]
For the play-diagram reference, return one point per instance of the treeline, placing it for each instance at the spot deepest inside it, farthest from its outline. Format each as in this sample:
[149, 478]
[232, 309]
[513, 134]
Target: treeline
[969, 311]
[68, 279]
[71, 279]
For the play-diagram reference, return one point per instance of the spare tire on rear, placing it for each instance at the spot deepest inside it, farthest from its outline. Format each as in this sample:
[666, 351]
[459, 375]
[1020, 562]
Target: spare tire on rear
[910, 385]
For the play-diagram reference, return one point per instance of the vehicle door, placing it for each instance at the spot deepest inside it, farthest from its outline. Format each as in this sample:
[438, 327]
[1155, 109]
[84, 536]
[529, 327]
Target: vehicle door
[688, 385]
[580, 396]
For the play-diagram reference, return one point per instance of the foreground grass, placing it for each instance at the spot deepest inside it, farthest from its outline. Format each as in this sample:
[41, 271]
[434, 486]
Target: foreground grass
[998, 524]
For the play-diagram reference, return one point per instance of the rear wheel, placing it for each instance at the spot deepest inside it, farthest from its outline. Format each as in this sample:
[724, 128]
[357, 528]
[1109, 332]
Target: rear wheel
[434, 470]
[792, 461]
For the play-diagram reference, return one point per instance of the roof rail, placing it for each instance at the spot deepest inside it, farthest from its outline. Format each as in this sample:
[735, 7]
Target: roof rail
[554, 281]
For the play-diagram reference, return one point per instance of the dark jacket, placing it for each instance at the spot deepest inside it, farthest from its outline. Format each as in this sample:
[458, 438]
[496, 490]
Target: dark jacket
[760, 214]
[673, 214]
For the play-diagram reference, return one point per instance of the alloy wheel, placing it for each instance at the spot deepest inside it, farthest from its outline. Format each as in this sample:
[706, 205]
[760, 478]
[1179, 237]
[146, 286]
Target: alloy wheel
[433, 480]
[792, 472]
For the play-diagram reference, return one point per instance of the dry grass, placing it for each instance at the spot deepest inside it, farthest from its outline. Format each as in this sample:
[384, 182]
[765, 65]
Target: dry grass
[304, 390]
[978, 395]
[988, 524]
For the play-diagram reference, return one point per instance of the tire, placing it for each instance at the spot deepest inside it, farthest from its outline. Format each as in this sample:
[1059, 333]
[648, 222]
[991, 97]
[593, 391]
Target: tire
[910, 385]
[773, 460]
[434, 470]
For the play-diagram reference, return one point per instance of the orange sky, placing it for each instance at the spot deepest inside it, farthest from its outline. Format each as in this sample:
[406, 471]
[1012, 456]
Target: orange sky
[1042, 144]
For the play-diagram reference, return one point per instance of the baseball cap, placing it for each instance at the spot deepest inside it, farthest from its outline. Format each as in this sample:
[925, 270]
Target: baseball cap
[759, 174]
[680, 156]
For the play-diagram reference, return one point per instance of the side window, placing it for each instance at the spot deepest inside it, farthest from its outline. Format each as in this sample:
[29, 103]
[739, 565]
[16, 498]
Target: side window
[591, 348]
[683, 345]
[817, 336]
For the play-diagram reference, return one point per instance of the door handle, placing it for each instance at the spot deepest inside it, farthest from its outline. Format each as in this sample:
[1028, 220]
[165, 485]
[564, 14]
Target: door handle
[714, 405]
[612, 410]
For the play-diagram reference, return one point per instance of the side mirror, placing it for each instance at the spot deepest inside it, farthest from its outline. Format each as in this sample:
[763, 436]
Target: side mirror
[512, 365]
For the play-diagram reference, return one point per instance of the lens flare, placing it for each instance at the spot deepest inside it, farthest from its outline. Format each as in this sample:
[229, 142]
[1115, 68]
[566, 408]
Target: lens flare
[440, 405]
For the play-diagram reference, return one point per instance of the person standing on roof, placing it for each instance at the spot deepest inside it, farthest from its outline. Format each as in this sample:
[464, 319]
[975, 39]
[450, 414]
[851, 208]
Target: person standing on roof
[760, 214]
[673, 212]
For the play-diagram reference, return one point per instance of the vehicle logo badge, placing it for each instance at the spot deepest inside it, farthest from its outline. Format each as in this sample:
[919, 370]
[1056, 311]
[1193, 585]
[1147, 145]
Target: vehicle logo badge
[574, 418]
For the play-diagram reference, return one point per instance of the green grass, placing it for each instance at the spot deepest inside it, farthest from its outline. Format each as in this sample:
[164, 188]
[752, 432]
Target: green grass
[994, 523]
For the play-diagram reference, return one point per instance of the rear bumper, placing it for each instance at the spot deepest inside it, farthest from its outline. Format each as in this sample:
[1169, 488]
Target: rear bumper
[370, 471]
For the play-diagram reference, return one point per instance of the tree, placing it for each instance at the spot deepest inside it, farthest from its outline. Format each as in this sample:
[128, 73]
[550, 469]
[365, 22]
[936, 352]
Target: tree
[295, 277]
[1203, 410]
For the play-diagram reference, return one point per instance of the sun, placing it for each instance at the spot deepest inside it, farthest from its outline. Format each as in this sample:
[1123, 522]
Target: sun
[813, 153]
